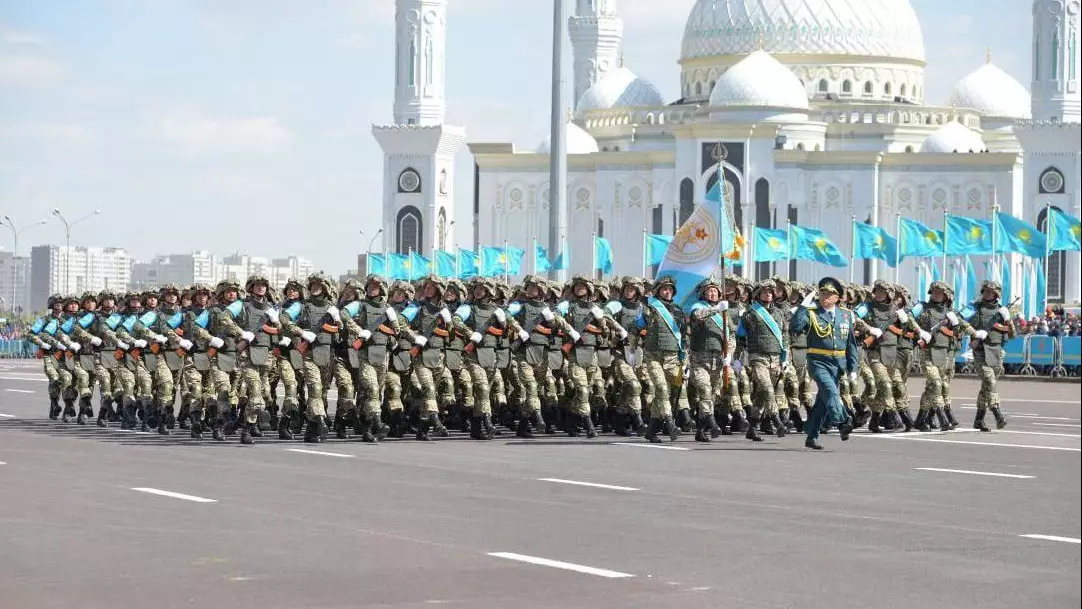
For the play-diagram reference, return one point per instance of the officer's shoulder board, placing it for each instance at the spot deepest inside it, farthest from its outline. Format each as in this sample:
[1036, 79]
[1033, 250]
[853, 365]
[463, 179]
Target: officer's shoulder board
[235, 308]
[463, 312]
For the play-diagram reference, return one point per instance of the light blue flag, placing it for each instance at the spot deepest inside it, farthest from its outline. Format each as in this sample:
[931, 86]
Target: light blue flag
[960, 297]
[922, 281]
[467, 264]
[400, 266]
[419, 265]
[918, 241]
[812, 244]
[971, 280]
[771, 244]
[655, 248]
[968, 236]
[1064, 232]
[1029, 303]
[602, 255]
[1005, 277]
[541, 259]
[935, 272]
[515, 256]
[560, 264]
[493, 261]
[874, 242]
[1016, 236]
[1041, 289]
[697, 246]
[377, 264]
[446, 263]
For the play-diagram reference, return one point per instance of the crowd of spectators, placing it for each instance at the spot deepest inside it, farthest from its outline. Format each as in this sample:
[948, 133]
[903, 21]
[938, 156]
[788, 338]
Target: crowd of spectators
[1055, 322]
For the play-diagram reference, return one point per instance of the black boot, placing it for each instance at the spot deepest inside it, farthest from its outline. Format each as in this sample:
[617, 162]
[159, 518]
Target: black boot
[422, 429]
[652, 429]
[798, 422]
[683, 419]
[922, 420]
[216, 420]
[766, 425]
[873, 425]
[1001, 421]
[341, 420]
[54, 400]
[264, 422]
[845, 428]
[285, 427]
[753, 431]
[103, 411]
[254, 427]
[886, 420]
[246, 433]
[863, 415]
[127, 414]
[167, 413]
[907, 420]
[671, 428]
[272, 411]
[713, 428]
[702, 432]
[398, 424]
[524, 430]
[941, 416]
[813, 444]
[950, 416]
[489, 429]
[588, 423]
[115, 408]
[978, 421]
[151, 414]
[637, 424]
[721, 416]
[477, 429]
[195, 423]
[296, 423]
[163, 418]
[86, 410]
[184, 416]
[69, 410]
[780, 428]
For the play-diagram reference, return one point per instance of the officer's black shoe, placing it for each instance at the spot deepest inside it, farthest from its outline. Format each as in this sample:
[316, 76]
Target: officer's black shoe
[907, 420]
[524, 430]
[844, 430]
[813, 444]
[753, 431]
[798, 422]
[195, 420]
[780, 428]
[340, 430]
[873, 425]
[246, 434]
[978, 420]
[684, 420]
[1001, 422]
[671, 428]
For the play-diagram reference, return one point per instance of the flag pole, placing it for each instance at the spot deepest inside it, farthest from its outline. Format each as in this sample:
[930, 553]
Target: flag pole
[644, 252]
[788, 258]
[534, 243]
[593, 250]
[852, 248]
[897, 246]
[1048, 224]
[409, 265]
[995, 228]
[506, 262]
[946, 238]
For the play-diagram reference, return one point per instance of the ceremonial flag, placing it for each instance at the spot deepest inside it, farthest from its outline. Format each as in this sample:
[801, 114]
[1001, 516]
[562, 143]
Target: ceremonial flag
[1016, 236]
[400, 266]
[968, 236]
[922, 281]
[377, 264]
[419, 265]
[446, 264]
[812, 244]
[935, 272]
[771, 244]
[873, 242]
[467, 264]
[1041, 288]
[655, 248]
[493, 261]
[971, 280]
[602, 255]
[697, 246]
[1005, 277]
[515, 256]
[1029, 303]
[541, 262]
[957, 285]
[918, 241]
[1064, 232]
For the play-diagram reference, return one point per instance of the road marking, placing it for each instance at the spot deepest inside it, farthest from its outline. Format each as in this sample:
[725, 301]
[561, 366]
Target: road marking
[7, 416]
[556, 564]
[643, 445]
[3, 463]
[1057, 424]
[1028, 416]
[1053, 538]
[158, 491]
[20, 378]
[319, 452]
[590, 484]
[943, 441]
[973, 473]
[1040, 433]
[21, 390]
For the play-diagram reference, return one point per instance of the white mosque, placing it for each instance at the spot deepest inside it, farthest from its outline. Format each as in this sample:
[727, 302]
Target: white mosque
[811, 111]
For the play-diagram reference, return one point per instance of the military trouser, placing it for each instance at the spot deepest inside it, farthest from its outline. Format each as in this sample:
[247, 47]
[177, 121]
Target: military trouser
[905, 358]
[628, 386]
[666, 373]
[452, 383]
[124, 387]
[164, 387]
[499, 387]
[288, 376]
[48, 364]
[81, 380]
[798, 386]
[937, 389]
[144, 383]
[198, 384]
[586, 382]
[483, 381]
[393, 388]
[743, 386]
[66, 380]
[884, 386]
[845, 391]
[828, 407]
[870, 388]
[765, 373]
[987, 397]
[253, 380]
[709, 374]
[536, 381]
[370, 379]
[316, 380]
[103, 376]
[432, 389]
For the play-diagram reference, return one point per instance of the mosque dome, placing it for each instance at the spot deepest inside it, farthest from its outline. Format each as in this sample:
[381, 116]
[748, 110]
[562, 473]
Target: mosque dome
[759, 81]
[620, 89]
[953, 137]
[876, 28]
[992, 92]
[576, 139]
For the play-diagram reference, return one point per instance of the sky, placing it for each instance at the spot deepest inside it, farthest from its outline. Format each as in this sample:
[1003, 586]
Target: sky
[245, 125]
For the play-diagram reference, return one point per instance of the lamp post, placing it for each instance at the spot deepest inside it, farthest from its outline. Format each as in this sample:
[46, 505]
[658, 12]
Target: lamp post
[373, 240]
[67, 242]
[15, 254]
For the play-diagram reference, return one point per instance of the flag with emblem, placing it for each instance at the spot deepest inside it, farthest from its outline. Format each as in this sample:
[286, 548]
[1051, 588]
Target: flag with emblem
[446, 264]
[697, 246]
[1064, 232]
[918, 241]
[467, 264]
[1018, 237]
[770, 244]
[419, 265]
[399, 265]
[493, 261]
[873, 242]
[812, 244]
[964, 235]
[377, 264]
[514, 257]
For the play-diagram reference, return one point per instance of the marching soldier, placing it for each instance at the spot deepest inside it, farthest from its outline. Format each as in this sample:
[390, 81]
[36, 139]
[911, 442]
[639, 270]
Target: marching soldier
[587, 322]
[798, 383]
[711, 347]
[433, 331]
[201, 379]
[627, 371]
[139, 386]
[86, 333]
[311, 324]
[940, 329]
[886, 325]
[539, 387]
[992, 325]
[664, 356]
[760, 331]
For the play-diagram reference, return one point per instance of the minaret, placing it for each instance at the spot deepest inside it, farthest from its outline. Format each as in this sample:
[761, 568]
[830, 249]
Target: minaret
[1056, 57]
[419, 149]
[597, 35]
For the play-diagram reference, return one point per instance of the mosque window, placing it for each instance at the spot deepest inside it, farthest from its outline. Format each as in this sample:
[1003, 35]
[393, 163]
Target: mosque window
[428, 61]
[901, 90]
[886, 89]
[712, 83]
[1055, 55]
[409, 230]
[1057, 268]
[823, 85]
[1073, 48]
[868, 88]
[687, 199]
[1036, 56]
[847, 87]
[698, 89]
[441, 230]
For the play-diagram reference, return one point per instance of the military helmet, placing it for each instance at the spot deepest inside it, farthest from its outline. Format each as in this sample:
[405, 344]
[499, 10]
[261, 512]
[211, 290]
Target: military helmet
[761, 286]
[404, 287]
[352, 283]
[255, 279]
[293, 283]
[668, 280]
[939, 285]
[601, 290]
[992, 286]
[130, 296]
[458, 287]
[200, 287]
[709, 282]
[886, 286]
[170, 287]
[106, 295]
[55, 298]
[224, 286]
[88, 295]
[529, 280]
[479, 281]
[501, 290]
[584, 280]
[330, 289]
[553, 290]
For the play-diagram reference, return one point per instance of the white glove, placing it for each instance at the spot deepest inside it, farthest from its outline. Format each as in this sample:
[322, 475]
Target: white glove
[1005, 313]
[853, 377]
[308, 336]
[951, 317]
[876, 332]
[980, 334]
[140, 343]
[391, 314]
[903, 316]
[727, 360]
[285, 342]
[597, 312]
[786, 366]
[420, 341]
[445, 315]
[160, 339]
[272, 314]
[217, 343]
[94, 340]
[121, 344]
[500, 315]
[809, 301]
[574, 335]
[365, 334]
[185, 344]
[737, 366]
[75, 347]
[623, 334]
[924, 336]
[247, 336]
[523, 335]
[47, 347]
[721, 306]
[547, 314]
[335, 314]
[792, 310]
[475, 337]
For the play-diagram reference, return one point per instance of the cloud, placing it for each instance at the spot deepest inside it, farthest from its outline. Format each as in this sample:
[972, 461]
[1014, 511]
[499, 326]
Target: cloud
[19, 38]
[198, 134]
[29, 71]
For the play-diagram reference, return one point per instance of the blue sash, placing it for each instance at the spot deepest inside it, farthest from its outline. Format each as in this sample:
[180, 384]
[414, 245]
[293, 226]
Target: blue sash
[968, 312]
[69, 323]
[771, 324]
[718, 320]
[663, 312]
[51, 327]
[37, 326]
[148, 318]
[463, 312]
[514, 308]
[563, 307]
[410, 312]
[235, 308]
[86, 320]
[129, 323]
[352, 308]
[917, 310]
[175, 321]
[614, 307]
[862, 311]
[113, 321]
[293, 311]
[203, 319]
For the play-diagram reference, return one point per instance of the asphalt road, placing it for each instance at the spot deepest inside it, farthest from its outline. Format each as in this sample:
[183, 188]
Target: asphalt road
[874, 522]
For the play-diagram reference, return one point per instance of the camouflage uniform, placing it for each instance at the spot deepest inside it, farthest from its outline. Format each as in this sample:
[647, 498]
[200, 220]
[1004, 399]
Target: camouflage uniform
[798, 383]
[86, 331]
[940, 330]
[992, 325]
[41, 334]
[309, 323]
[711, 346]
[400, 371]
[664, 358]
[760, 332]
[438, 348]
[588, 328]
[628, 373]
[539, 388]
[138, 384]
[886, 327]
[287, 364]
[79, 379]
[201, 378]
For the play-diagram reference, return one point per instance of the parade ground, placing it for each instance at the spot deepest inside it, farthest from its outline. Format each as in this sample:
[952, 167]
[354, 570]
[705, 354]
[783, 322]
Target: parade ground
[104, 518]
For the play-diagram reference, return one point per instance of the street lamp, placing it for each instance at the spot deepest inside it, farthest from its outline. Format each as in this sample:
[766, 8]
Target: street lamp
[372, 241]
[14, 255]
[67, 242]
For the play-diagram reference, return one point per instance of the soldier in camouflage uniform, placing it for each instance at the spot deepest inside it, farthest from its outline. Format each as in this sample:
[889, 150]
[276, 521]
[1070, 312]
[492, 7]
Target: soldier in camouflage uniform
[664, 355]
[711, 346]
[798, 383]
[314, 329]
[940, 329]
[398, 381]
[760, 332]
[539, 388]
[628, 373]
[433, 331]
[77, 378]
[587, 321]
[139, 394]
[454, 387]
[783, 311]
[886, 325]
[40, 336]
[157, 326]
[992, 325]
[906, 342]
[201, 378]
[87, 334]
[290, 363]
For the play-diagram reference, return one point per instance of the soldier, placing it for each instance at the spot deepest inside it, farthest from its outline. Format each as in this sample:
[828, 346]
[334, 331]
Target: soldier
[993, 326]
[139, 395]
[433, 331]
[832, 352]
[454, 387]
[587, 330]
[400, 371]
[349, 352]
[311, 322]
[940, 329]
[201, 378]
[157, 325]
[797, 381]
[104, 328]
[886, 324]
[40, 336]
[628, 373]
[782, 311]
[226, 305]
[78, 384]
[539, 388]
[664, 355]
[760, 331]
[289, 365]
[711, 347]
[906, 341]
[86, 333]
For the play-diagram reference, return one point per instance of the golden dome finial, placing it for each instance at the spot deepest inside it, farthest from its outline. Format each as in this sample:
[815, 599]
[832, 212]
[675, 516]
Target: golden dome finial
[987, 54]
[570, 114]
[762, 40]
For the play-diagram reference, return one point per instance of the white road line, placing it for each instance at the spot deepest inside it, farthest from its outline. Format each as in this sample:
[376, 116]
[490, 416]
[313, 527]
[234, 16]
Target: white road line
[158, 491]
[1057, 424]
[7, 416]
[21, 390]
[644, 445]
[973, 473]
[319, 452]
[590, 484]
[20, 378]
[943, 441]
[1040, 433]
[3, 462]
[1028, 416]
[1053, 538]
[556, 564]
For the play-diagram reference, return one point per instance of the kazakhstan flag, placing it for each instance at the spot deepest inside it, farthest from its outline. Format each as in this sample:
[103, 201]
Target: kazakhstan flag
[400, 266]
[811, 244]
[419, 265]
[377, 264]
[968, 236]
[655, 248]
[918, 241]
[771, 244]
[874, 242]
[1064, 232]
[467, 264]
[1015, 236]
[602, 255]
[446, 264]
